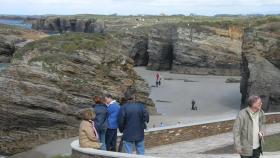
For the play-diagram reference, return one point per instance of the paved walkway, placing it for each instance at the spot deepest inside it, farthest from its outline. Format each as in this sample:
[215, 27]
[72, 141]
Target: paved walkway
[194, 147]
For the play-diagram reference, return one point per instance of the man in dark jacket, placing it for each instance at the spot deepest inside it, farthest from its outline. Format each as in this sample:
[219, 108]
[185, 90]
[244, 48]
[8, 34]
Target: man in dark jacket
[100, 120]
[132, 120]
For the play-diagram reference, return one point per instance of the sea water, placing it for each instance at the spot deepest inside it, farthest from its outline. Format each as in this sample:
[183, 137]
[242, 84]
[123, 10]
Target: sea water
[16, 22]
[2, 67]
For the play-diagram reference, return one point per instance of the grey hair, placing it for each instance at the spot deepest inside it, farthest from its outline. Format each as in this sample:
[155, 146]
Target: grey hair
[253, 99]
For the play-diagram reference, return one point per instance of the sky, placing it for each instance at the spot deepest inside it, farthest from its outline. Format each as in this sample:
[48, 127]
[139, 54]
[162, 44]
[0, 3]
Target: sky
[135, 7]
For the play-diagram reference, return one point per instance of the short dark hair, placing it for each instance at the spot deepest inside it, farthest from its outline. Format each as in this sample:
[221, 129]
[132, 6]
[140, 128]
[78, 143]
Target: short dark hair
[253, 99]
[130, 93]
[97, 99]
[108, 96]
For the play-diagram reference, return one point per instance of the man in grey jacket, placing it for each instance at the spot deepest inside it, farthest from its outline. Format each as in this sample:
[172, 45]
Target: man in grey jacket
[248, 129]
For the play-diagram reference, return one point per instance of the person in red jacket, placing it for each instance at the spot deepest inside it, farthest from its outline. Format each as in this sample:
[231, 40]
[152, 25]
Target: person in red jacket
[157, 79]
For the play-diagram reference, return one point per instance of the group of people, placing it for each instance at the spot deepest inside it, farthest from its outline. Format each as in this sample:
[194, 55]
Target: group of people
[100, 125]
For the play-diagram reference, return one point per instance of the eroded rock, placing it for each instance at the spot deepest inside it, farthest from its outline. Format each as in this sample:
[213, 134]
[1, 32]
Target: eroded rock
[260, 69]
[50, 80]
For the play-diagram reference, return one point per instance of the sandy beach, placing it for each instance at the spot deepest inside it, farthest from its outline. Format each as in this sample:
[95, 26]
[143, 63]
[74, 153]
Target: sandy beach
[214, 97]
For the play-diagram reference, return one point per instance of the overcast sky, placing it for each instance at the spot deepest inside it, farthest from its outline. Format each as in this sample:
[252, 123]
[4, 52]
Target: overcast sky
[127, 7]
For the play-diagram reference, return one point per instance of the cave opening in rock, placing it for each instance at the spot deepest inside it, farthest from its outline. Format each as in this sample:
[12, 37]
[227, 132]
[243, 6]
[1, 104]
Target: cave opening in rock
[140, 54]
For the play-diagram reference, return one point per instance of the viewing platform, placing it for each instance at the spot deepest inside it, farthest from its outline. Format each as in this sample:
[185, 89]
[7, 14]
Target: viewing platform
[170, 137]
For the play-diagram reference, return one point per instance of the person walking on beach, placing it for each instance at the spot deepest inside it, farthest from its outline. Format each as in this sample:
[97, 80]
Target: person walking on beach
[249, 129]
[132, 122]
[100, 120]
[88, 136]
[157, 79]
[193, 105]
[113, 112]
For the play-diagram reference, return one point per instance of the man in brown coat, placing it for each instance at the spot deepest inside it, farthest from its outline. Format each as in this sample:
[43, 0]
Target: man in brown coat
[248, 129]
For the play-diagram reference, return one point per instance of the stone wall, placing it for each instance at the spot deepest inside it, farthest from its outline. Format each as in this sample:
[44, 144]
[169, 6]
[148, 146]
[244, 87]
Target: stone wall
[173, 134]
[184, 133]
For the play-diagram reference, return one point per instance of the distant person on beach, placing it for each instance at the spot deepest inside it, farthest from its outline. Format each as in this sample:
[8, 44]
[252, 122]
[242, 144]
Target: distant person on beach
[193, 105]
[100, 120]
[161, 125]
[132, 123]
[249, 129]
[88, 136]
[158, 82]
[113, 112]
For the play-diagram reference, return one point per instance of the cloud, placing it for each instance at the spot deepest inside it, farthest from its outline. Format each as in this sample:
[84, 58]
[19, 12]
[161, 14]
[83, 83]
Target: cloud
[208, 7]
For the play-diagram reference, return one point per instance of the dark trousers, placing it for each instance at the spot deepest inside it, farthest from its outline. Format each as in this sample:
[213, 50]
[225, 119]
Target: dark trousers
[256, 154]
[111, 139]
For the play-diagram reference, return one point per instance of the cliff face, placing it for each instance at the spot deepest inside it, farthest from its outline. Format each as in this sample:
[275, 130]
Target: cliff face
[160, 47]
[206, 50]
[13, 37]
[64, 24]
[136, 44]
[50, 80]
[7, 49]
[260, 65]
[195, 49]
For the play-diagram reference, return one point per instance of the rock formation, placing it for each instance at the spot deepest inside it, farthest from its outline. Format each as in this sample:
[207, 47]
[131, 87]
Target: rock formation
[66, 24]
[13, 37]
[136, 43]
[160, 47]
[7, 49]
[195, 49]
[260, 65]
[51, 79]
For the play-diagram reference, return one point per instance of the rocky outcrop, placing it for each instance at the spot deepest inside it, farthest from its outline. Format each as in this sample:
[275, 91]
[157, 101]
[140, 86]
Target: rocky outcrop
[7, 49]
[136, 43]
[206, 50]
[260, 65]
[195, 49]
[66, 24]
[50, 80]
[13, 37]
[160, 47]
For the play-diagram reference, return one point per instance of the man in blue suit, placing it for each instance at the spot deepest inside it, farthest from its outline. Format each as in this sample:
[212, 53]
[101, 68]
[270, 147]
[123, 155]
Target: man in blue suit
[113, 112]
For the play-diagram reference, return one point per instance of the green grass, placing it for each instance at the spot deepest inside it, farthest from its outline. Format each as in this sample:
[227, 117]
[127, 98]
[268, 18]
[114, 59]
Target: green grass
[272, 143]
[68, 43]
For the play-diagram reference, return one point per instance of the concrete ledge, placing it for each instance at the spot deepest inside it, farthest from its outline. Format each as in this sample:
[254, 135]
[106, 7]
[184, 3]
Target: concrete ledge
[78, 152]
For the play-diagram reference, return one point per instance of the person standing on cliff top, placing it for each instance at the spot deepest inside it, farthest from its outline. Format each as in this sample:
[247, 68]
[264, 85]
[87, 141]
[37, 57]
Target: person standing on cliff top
[248, 129]
[132, 123]
[101, 122]
[113, 112]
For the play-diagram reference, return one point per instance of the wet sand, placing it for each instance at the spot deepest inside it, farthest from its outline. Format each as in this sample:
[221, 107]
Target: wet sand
[215, 100]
